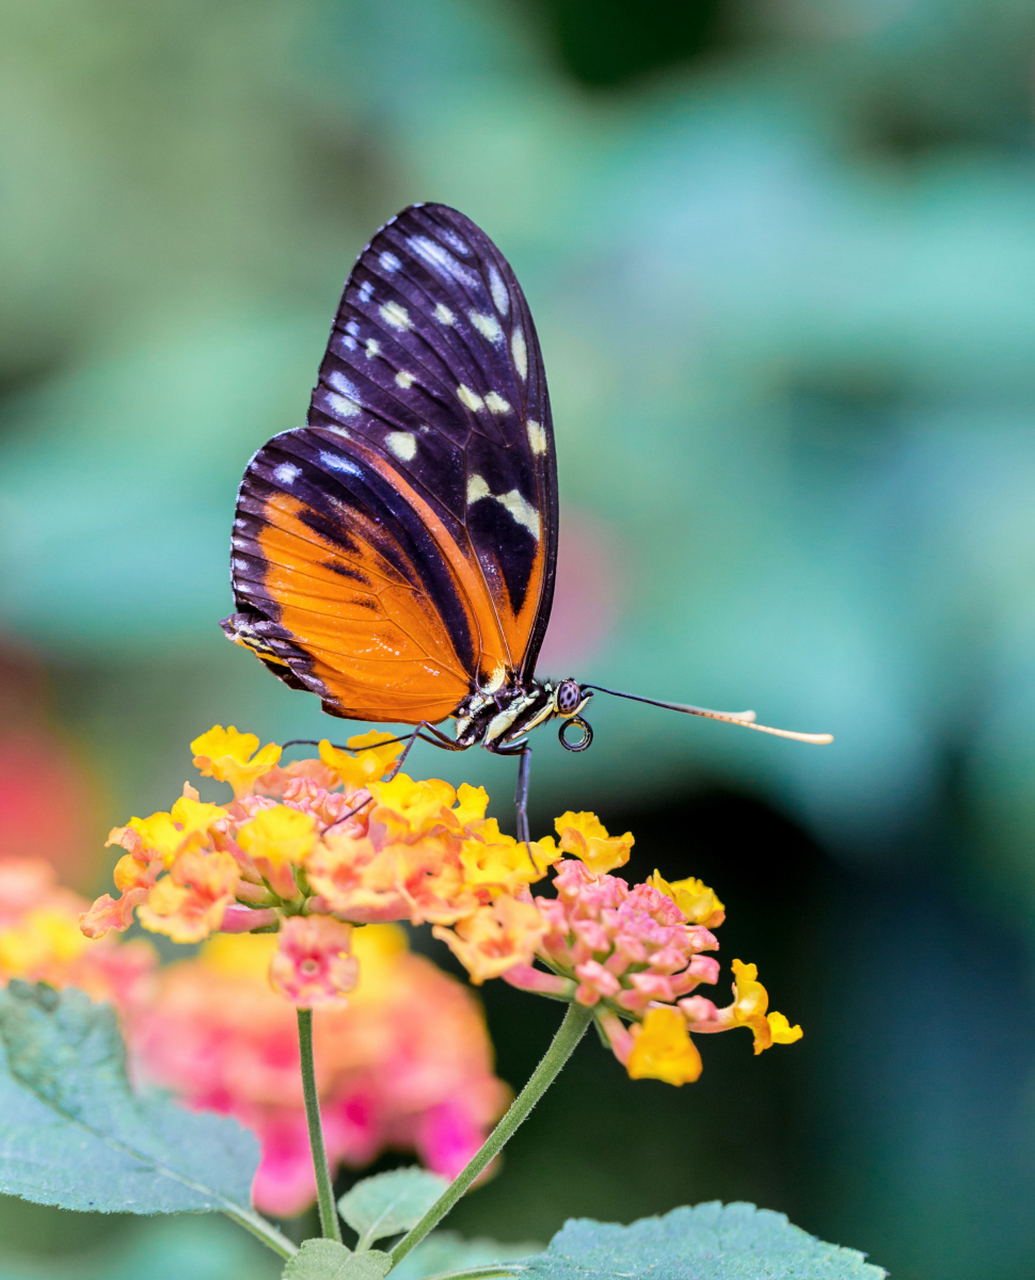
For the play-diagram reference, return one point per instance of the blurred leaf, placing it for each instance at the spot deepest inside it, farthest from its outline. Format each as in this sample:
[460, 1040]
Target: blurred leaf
[170, 1247]
[390, 1202]
[446, 1251]
[328, 1260]
[74, 1133]
[709, 1242]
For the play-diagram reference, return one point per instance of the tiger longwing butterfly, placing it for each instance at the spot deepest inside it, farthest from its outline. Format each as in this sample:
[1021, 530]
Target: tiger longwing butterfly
[396, 555]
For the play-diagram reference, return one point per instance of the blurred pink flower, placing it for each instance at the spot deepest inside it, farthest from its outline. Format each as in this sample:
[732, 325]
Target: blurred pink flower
[406, 1065]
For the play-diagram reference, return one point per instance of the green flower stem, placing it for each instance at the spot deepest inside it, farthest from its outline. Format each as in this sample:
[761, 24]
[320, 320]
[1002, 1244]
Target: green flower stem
[329, 1223]
[264, 1231]
[569, 1033]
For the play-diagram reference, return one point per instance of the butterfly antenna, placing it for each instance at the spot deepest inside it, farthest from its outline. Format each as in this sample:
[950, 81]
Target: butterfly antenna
[744, 718]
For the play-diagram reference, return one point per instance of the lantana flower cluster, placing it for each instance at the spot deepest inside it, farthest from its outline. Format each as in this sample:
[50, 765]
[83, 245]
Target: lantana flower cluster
[312, 849]
[407, 1065]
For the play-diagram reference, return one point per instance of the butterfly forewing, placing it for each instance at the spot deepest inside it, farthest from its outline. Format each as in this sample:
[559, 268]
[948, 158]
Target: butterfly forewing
[400, 549]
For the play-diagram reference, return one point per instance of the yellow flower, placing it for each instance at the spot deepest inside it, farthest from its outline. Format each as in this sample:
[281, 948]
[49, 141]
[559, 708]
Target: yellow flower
[696, 901]
[165, 835]
[369, 756]
[663, 1049]
[42, 937]
[749, 1010]
[471, 803]
[229, 756]
[407, 808]
[781, 1030]
[279, 834]
[584, 835]
[494, 860]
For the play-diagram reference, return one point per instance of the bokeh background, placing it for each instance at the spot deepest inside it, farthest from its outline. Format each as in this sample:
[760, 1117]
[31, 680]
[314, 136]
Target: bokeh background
[781, 254]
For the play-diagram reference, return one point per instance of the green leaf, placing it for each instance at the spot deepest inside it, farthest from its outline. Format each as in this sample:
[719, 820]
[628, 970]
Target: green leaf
[709, 1242]
[446, 1251]
[328, 1260]
[390, 1202]
[317, 1260]
[73, 1133]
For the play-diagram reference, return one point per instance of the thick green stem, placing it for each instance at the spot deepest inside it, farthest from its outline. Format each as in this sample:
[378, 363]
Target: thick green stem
[264, 1231]
[329, 1224]
[569, 1033]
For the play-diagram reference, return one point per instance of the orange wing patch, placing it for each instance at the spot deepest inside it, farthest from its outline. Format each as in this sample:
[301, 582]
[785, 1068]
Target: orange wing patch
[376, 642]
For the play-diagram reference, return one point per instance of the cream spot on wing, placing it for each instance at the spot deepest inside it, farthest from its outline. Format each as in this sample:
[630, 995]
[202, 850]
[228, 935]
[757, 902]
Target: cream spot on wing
[520, 353]
[536, 436]
[402, 443]
[336, 462]
[373, 346]
[398, 317]
[443, 261]
[287, 473]
[477, 488]
[340, 383]
[496, 404]
[454, 241]
[343, 405]
[522, 511]
[443, 315]
[389, 262]
[487, 326]
[499, 291]
[404, 379]
[470, 398]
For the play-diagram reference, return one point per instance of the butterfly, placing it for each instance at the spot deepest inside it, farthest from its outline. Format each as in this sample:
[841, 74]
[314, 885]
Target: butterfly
[396, 556]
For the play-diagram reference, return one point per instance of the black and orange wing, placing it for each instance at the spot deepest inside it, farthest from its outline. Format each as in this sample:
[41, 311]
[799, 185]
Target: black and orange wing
[399, 550]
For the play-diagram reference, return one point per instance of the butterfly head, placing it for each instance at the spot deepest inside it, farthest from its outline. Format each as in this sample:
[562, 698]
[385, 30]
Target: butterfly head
[496, 718]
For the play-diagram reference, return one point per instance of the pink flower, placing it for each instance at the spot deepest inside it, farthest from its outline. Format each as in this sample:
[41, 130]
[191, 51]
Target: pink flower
[406, 1065]
[628, 946]
[312, 964]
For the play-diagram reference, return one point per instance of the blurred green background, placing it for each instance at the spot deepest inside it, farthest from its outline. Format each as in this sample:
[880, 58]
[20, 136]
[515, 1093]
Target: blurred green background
[782, 259]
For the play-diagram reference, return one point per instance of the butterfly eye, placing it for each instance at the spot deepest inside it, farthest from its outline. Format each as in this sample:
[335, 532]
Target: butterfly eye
[576, 744]
[569, 696]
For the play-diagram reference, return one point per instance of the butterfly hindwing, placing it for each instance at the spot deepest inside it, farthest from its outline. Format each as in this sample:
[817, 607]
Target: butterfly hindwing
[400, 549]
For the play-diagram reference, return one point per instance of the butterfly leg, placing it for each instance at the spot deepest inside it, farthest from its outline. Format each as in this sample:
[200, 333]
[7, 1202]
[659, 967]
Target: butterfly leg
[426, 733]
[521, 796]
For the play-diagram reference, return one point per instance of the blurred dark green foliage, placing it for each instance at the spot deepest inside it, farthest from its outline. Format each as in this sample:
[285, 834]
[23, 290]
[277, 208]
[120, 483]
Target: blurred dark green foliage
[605, 43]
[782, 259]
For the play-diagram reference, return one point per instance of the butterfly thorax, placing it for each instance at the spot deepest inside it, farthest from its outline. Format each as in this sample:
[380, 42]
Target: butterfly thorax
[496, 718]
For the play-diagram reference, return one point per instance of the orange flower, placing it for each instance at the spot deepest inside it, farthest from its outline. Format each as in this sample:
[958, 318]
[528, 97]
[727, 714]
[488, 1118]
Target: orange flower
[229, 756]
[188, 904]
[312, 964]
[584, 835]
[493, 939]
